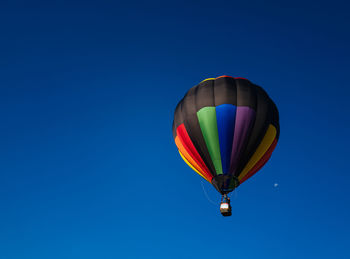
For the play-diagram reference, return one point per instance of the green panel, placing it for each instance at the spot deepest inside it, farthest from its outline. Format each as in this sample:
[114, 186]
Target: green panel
[207, 121]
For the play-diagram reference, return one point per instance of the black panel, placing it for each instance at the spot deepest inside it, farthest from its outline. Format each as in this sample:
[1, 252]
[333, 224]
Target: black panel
[245, 94]
[225, 91]
[205, 94]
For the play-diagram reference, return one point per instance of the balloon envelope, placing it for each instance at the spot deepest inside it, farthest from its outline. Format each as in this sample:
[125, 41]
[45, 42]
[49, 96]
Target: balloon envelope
[225, 129]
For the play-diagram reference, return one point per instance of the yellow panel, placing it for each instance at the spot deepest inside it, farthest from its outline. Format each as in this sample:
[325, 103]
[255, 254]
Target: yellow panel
[261, 150]
[208, 79]
[194, 169]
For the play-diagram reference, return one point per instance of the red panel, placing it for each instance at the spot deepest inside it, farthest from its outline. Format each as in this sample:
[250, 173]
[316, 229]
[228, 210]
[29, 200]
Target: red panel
[261, 162]
[191, 150]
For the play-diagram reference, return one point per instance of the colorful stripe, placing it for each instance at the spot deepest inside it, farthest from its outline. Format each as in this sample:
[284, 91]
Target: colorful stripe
[226, 116]
[188, 157]
[260, 151]
[208, 124]
[186, 146]
[192, 167]
[245, 117]
[261, 162]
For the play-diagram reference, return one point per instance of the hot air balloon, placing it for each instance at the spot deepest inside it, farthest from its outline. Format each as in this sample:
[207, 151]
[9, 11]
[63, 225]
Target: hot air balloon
[225, 129]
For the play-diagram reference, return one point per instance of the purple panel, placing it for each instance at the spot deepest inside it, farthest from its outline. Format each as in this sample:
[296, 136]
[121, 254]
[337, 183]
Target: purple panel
[245, 117]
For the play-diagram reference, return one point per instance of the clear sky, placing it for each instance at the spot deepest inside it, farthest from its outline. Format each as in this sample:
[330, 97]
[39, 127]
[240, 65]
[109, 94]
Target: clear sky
[88, 166]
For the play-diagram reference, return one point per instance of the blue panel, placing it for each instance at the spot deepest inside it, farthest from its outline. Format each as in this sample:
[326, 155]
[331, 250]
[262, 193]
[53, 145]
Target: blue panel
[226, 116]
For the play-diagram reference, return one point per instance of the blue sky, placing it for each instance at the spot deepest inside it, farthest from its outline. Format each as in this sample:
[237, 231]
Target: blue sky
[88, 167]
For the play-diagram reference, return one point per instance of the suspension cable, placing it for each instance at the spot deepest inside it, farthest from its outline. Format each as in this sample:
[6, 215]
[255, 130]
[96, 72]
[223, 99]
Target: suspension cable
[206, 194]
